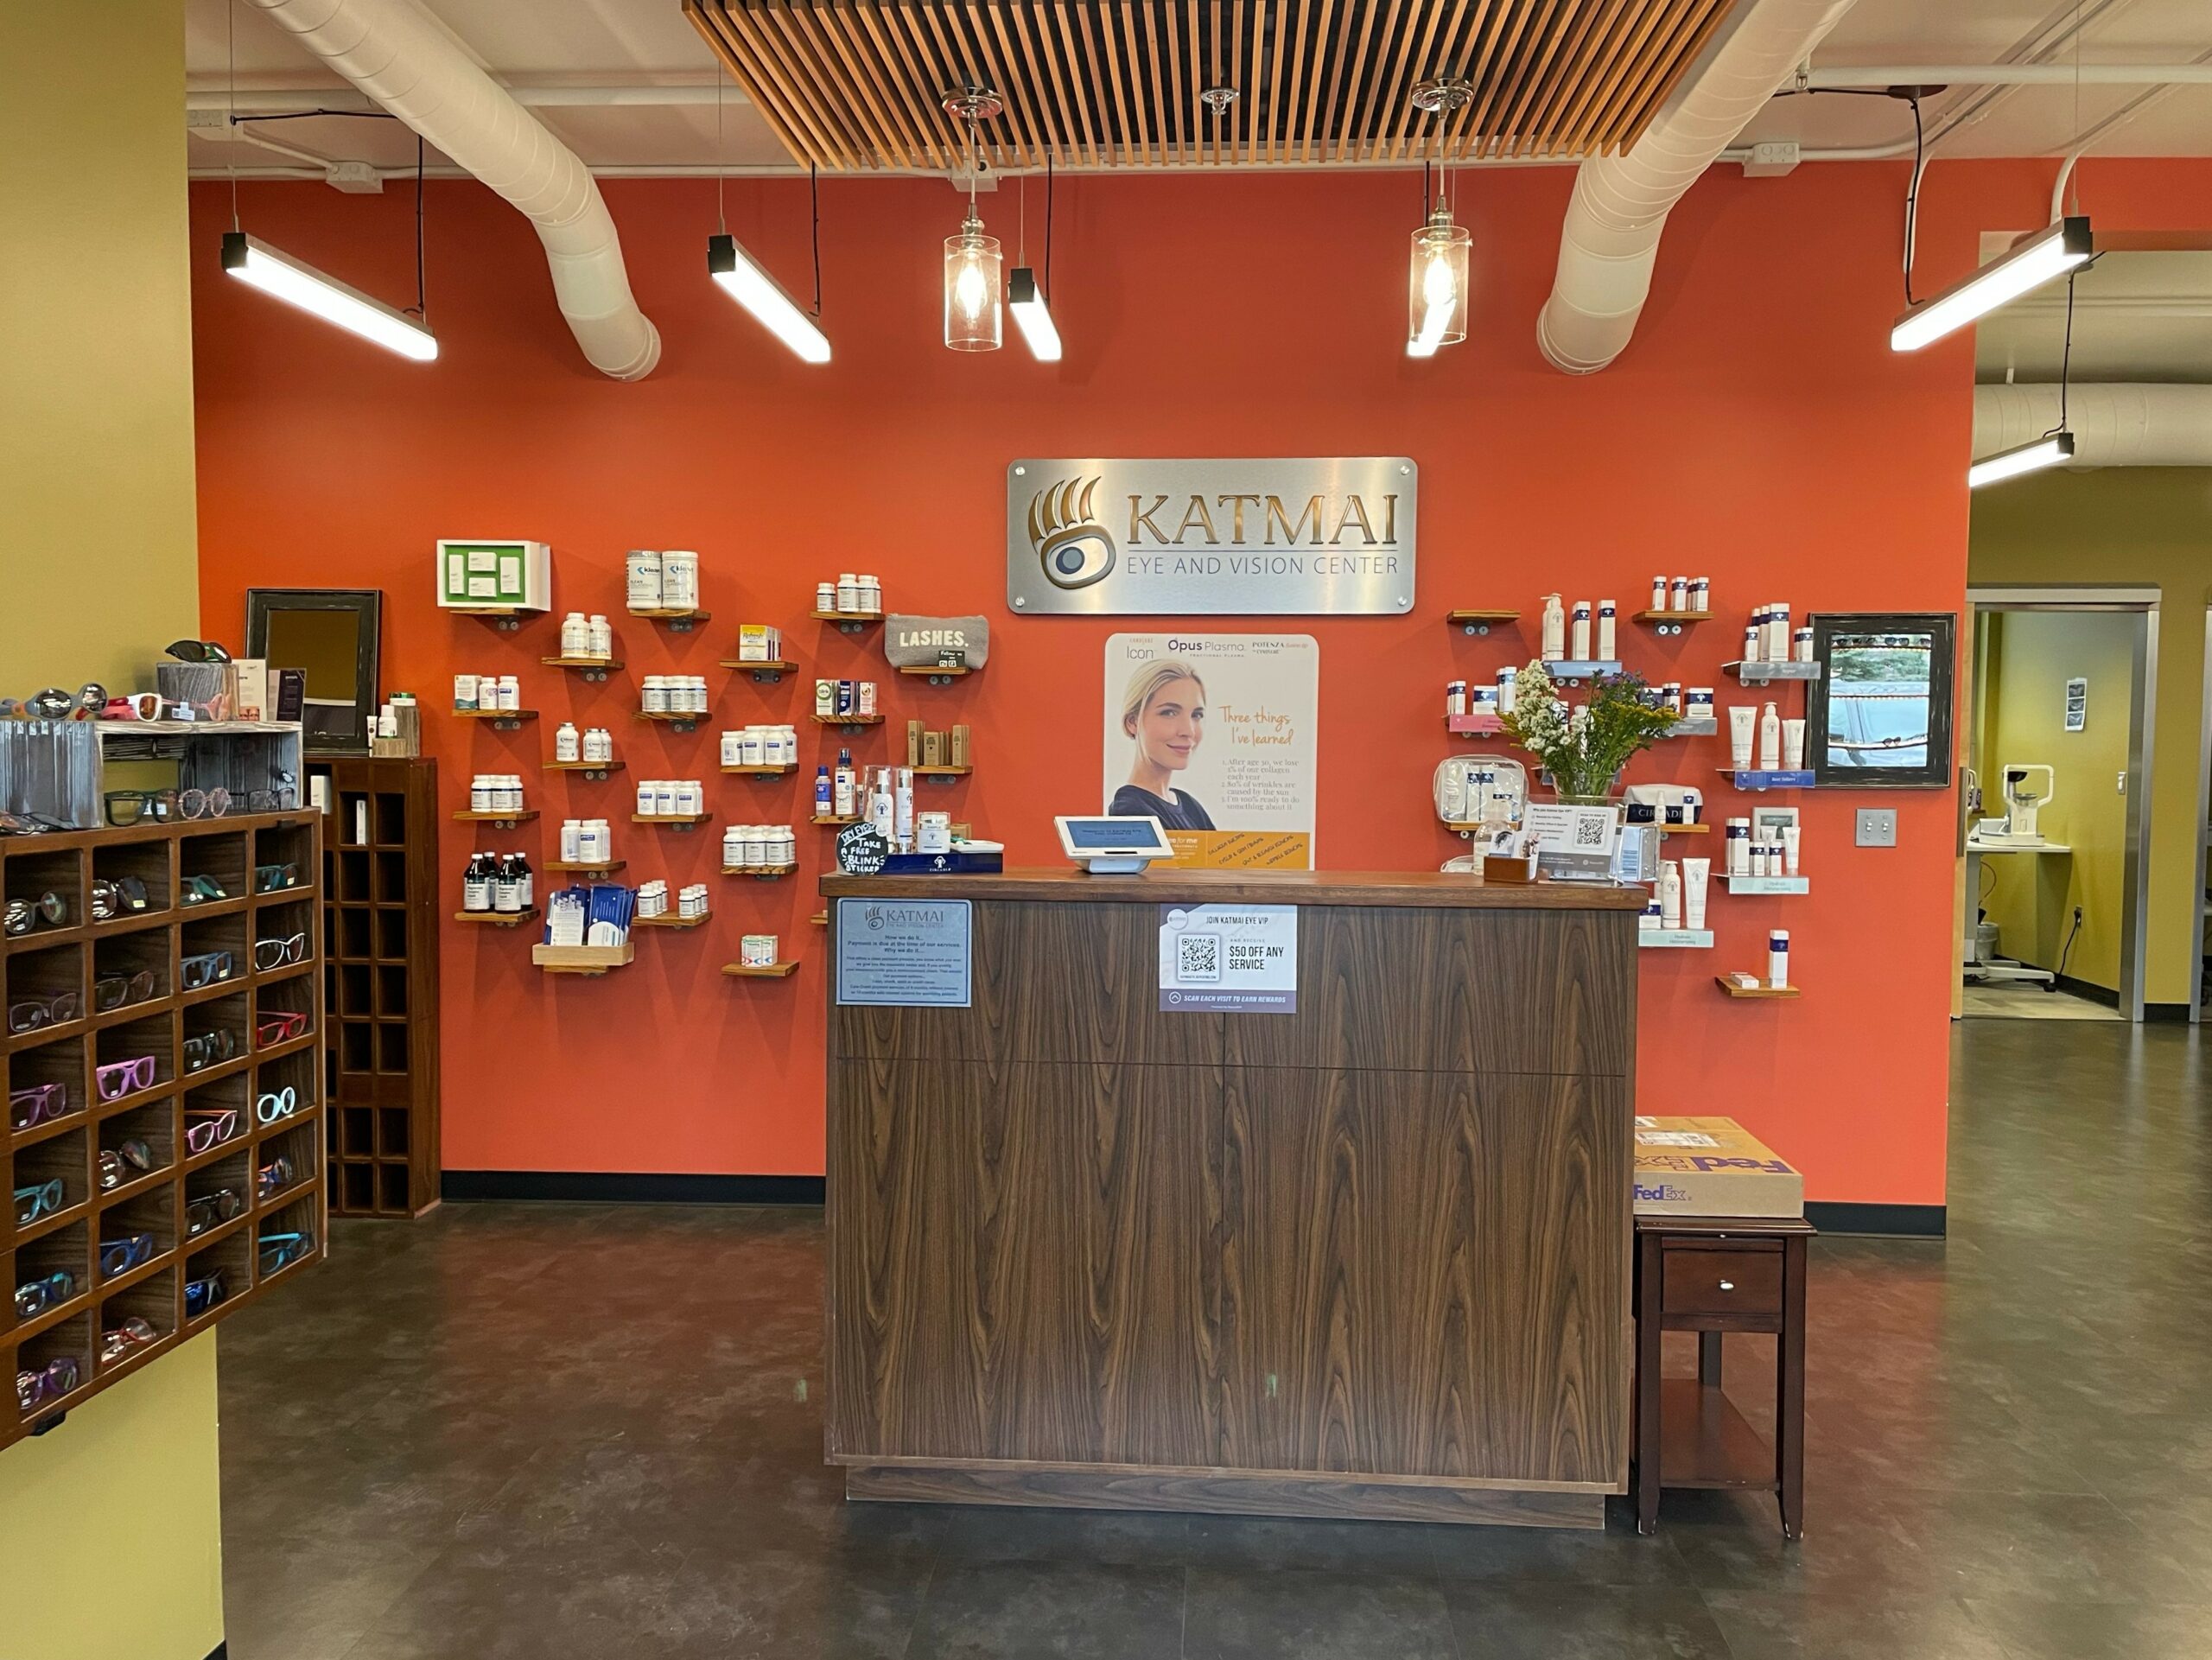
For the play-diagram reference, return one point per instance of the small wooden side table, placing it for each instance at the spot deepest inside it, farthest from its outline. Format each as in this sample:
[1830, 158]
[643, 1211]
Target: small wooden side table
[1714, 1275]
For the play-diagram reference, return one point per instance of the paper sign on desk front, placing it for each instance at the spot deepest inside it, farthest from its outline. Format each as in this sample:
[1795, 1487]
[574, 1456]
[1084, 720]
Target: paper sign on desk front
[1239, 957]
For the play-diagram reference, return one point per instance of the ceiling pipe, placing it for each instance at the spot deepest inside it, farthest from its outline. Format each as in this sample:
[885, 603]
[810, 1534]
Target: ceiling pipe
[1610, 239]
[391, 52]
[293, 100]
[2119, 423]
[2011, 74]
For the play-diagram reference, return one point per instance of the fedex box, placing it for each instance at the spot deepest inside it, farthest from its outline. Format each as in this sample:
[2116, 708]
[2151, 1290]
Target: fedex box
[1710, 1167]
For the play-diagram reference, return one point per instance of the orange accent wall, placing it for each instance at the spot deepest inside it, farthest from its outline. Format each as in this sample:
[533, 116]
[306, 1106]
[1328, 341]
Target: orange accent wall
[1759, 431]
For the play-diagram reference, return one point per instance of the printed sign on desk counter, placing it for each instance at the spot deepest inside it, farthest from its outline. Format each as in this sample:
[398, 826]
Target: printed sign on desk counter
[1219, 957]
[904, 953]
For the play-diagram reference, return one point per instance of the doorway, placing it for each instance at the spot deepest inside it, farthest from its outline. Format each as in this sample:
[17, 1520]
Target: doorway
[2055, 825]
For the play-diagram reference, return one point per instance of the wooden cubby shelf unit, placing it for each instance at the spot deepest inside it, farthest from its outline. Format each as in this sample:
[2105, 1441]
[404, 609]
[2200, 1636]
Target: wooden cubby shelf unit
[143, 949]
[381, 918]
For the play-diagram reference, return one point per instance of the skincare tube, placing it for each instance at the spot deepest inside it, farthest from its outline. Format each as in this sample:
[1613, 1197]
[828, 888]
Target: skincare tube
[1790, 834]
[1696, 873]
[1777, 958]
[1793, 744]
[1670, 894]
[1658, 593]
[1743, 721]
[1650, 918]
[1754, 640]
[1738, 847]
[1769, 740]
[1777, 633]
[1579, 633]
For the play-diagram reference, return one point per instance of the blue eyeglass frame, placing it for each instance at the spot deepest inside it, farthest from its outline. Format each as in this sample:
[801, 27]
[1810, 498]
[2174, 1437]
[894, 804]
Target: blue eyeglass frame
[45, 1198]
[286, 1248]
[134, 1250]
[40, 1294]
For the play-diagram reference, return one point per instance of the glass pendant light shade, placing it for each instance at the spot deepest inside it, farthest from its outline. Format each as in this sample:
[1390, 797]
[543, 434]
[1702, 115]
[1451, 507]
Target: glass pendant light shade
[973, 320]
[1437, 291]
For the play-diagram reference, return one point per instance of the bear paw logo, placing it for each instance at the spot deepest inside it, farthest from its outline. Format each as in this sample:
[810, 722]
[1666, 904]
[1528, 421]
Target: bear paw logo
[1071, 544]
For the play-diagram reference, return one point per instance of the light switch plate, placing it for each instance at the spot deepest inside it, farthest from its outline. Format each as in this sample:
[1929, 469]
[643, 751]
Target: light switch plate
[1877, 827]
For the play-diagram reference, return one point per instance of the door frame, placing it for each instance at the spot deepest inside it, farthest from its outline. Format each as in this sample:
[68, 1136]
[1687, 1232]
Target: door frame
[2203, 827]
[2142, 723]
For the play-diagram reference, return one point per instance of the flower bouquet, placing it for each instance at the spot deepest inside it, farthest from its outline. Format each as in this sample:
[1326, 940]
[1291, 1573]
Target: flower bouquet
[1584, 750]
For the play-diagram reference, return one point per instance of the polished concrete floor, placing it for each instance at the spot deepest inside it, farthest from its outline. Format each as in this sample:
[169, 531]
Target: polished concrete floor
[566, 1431]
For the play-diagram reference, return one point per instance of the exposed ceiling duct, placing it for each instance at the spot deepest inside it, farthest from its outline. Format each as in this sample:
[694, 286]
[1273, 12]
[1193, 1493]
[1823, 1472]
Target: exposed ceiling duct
[2140, 424]
[1610, 239]
[398, 57]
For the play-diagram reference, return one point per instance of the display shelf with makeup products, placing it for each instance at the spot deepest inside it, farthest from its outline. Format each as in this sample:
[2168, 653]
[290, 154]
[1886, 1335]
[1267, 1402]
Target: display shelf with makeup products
[150, 1067]
[381, 904]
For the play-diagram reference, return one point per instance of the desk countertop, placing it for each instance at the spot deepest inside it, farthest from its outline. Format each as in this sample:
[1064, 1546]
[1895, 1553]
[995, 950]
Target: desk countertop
[1429, 889]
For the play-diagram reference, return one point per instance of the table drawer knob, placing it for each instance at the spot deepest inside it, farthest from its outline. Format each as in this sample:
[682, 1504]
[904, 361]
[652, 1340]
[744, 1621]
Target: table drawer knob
[1727, 1285]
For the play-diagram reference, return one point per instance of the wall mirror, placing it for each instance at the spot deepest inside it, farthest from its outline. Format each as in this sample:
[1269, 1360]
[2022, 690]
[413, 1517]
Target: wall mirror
[331, 634]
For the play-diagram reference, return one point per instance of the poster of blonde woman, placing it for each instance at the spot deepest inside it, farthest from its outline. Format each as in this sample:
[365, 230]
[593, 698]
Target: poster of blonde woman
[1213, 734]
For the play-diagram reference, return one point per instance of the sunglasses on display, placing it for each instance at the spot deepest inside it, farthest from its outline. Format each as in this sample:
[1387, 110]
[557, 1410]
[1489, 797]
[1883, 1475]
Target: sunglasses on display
[207, 1128]
[197, 650]
[35, 1387]
[127, 807]
[89, 700]
[34, 1297]
[23, 915]
[135, 706]
[208, 1049]
[280, 1251]
[201, 890]
[114, 991]
[41, 1103]
[117, 1162]
[119, 1341]
[41, 1199]
[119, 1078]
[210, 1211]
[273, 1177]
[277, 953]
[122, 896]
[29, 823]
[204, 969]
[273, 879]
[281, 1028]
[121, 1256]
[200, 1295]
[57, 1010]
[280, 1104]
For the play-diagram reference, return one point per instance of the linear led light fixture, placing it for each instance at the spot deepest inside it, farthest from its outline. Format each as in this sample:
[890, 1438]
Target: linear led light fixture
[1030, 315]
[2052, 449]
[742, 277]
[2051, 253]
[295, 282]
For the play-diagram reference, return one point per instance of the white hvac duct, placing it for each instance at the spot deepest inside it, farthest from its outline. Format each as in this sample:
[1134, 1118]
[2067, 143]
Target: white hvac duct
[401, 59]
[2122, 423]
[1610, 239]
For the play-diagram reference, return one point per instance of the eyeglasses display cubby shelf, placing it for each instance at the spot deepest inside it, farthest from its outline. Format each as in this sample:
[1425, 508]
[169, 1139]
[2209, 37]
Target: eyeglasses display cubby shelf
[381, 915]
[160, 1016]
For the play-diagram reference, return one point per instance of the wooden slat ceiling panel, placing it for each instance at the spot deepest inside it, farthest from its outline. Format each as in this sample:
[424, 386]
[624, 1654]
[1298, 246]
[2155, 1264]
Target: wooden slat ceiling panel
[852, 85]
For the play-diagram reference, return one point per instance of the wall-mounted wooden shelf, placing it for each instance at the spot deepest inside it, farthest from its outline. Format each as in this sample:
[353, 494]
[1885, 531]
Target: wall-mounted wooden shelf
[849, 622]
[498, 919]
[936, 674]
[847, 719]
[820, 919]
[589, 768]
[773, 972]
[676, 620]
[763, 871]
[505, 618]
[502, 720]
[1759, 990]
[1665, 617]
[785, 770]
[521, 816]
[1479, 622]
[582, 959]
[687, 721]
[679, 820]
[837, 818]
[944, 774]
[671, 919]
[1682, 830]
[591, 668]
[605, 868]
[768, 673]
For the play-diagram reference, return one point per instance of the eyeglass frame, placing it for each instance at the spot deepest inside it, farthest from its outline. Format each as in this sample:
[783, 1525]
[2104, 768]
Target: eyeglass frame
[292, 1247]
[290, 950]
[219, 1043]
[136, 1248]
[188, 890]
[289, 1102]
[51, 904]
[208, 1117]
[40, 1092]
[47, 1298]
[34, 1385]
[118, 1341]
[47, 1197]
[186, 970]
[132, 1152]
[196, 1290]
[129, 1069]
[290, 872]
[127, 981]
[45, 1010]
[288, 1024]
[274, 1177]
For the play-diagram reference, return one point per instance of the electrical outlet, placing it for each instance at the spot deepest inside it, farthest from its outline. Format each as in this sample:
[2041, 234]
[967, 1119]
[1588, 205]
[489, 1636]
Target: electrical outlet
[1877, 827]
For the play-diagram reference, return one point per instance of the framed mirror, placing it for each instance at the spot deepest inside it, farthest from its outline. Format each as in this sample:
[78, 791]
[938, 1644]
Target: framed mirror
[331, 634]
[1880, 716]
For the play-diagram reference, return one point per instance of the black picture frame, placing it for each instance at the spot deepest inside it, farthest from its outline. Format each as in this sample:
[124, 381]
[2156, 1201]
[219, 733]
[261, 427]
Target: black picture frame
[330, 724]
[1860, 714]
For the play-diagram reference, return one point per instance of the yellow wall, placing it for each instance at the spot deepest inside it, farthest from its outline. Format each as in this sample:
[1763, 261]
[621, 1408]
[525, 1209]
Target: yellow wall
[2032, 897]
[109, 1524]
[2145, 526]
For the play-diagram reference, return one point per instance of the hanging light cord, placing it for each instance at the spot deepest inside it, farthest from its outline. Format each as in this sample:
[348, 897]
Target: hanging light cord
[1048, 225]
[814, 199]
[1912, 198]
[231, 101]
[422, 286]
[2065, 360]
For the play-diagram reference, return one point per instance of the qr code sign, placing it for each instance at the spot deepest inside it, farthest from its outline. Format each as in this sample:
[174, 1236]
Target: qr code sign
[1592, 831]
[1197, 958]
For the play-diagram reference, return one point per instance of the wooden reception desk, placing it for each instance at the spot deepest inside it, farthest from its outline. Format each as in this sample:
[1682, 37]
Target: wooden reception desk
[1367, 1259]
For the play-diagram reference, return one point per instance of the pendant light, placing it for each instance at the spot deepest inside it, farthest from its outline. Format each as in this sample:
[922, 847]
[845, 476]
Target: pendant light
[2050, 254]
[296, 282]
[2054, 447]
[1024, 295]
[741, 276]
[1436, 293]
[973, 320]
